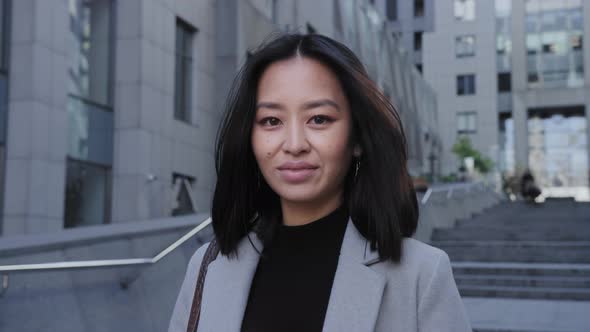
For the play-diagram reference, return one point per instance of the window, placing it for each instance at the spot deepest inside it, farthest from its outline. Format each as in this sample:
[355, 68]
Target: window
[391, 9]
[418, 41]
[466, 122]
[90, 113]
[465, 46]
[504, 82]
[466, 84]
[4, 30]
[183, 185]
[465, 10]
[554, 41]
[418, 8]
[87, 198]
[183, 70]
[419, 67]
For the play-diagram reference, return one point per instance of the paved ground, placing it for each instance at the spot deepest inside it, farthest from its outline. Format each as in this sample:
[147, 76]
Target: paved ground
[504, 314]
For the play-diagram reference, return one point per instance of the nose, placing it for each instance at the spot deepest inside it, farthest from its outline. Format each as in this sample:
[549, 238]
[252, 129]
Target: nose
[295, 139]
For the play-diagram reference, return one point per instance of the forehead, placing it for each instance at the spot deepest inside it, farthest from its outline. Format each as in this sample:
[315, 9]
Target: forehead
[299, 78]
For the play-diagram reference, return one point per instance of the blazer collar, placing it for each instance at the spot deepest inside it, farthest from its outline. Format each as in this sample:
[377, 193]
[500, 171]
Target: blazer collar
[354, 300]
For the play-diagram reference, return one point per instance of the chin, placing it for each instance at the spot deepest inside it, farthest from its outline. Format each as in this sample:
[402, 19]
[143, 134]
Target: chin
[300, 195]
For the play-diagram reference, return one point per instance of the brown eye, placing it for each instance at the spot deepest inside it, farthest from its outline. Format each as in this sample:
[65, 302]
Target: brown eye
[320, 120]
[270, 121]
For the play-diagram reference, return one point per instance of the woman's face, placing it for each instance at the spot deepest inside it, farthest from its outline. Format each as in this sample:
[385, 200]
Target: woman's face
[300, 135]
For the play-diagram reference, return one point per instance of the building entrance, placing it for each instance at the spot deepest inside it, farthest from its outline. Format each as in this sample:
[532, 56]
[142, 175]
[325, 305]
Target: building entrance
[558, 151]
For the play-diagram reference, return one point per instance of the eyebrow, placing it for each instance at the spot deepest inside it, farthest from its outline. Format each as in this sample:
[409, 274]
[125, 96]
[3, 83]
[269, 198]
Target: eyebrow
[306, 106]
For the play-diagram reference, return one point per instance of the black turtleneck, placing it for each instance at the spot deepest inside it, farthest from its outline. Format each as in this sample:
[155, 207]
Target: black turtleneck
[292, 284]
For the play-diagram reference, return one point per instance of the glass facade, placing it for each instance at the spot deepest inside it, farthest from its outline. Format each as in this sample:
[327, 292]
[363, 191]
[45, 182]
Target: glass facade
[558, 151]
[465, 46]
[183, 71]
[554, 42]
[90, 113]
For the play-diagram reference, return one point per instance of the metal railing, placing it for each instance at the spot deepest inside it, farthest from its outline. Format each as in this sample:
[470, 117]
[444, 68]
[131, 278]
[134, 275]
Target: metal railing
[449, 189]
[66, 265]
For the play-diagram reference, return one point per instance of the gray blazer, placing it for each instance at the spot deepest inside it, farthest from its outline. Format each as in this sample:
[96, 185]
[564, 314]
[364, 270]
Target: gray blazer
[418, 294]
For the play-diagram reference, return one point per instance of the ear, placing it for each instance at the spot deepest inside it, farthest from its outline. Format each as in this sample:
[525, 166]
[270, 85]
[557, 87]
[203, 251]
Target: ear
[357, 151]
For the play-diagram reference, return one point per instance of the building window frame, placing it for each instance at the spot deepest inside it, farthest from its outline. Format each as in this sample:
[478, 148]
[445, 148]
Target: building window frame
[466, 122]
[465, 46]
[183, 69]
[69, 221]
[466, 84]
[505, 82]
[464, 10]
[418, 41]
[95, 97]
[182, 188]
[391, 10]
[419, 8]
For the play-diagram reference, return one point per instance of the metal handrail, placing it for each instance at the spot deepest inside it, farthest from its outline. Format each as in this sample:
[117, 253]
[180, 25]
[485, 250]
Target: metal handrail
[105, 262]
[449, 189]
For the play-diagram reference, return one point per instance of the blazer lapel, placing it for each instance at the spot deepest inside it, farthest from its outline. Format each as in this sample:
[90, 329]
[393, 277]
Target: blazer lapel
[357, 289]
[227, 287]
[354, 301]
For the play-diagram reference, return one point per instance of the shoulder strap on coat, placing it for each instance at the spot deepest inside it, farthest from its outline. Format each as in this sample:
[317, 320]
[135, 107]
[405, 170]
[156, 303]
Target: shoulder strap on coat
[210, 255]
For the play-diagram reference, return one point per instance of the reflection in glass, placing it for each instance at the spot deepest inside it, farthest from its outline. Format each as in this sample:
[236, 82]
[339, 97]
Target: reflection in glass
[90, 132]
[554, 41]
[465, 46]
[464, 10]
[90, 116]
[90, 40]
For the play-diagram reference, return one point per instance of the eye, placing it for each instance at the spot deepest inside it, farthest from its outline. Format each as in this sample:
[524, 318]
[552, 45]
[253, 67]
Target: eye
[270, 121]
[320, 120]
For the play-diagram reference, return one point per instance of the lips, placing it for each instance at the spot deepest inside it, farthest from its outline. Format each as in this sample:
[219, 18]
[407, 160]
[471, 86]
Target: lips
[296, 171]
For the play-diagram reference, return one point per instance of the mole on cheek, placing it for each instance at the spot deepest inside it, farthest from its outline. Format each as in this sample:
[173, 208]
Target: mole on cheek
[268, 154]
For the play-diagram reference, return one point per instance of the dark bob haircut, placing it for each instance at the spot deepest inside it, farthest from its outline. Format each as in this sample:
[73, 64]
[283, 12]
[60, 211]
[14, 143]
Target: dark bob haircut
[381, 200]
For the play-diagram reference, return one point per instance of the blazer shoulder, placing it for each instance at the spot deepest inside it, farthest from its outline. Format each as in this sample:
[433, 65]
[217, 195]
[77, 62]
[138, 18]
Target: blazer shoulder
[417, 251]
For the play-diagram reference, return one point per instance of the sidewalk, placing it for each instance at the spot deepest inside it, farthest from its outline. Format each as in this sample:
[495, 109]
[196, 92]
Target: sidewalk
[502, 314]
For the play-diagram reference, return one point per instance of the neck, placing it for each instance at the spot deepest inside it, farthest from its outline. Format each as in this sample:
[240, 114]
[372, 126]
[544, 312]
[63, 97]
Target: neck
[301, 213]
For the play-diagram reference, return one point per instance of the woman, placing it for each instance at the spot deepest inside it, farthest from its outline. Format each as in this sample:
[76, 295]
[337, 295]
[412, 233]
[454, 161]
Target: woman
[314, 208]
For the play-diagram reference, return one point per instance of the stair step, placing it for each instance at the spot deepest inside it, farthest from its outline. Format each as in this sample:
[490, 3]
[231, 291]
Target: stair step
[521, 269]
[523, 281]
[517, 251]
[548, 293]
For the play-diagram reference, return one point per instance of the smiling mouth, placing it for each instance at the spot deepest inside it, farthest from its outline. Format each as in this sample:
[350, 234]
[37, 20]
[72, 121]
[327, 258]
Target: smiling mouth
[296, 175]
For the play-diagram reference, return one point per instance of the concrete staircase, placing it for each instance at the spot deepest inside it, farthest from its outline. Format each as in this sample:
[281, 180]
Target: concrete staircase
[516, 250]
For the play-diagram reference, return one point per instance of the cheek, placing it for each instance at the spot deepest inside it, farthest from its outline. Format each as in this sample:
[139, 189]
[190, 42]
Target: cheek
[337, 151]
[261, 146]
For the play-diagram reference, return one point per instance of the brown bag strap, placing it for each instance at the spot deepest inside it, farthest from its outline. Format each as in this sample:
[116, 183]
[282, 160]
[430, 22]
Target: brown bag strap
[210, 255]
